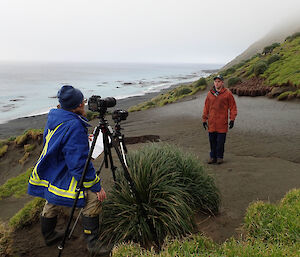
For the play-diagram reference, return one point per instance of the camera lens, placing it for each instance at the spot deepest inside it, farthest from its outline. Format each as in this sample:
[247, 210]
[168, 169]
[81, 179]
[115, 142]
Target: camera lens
[108, 102]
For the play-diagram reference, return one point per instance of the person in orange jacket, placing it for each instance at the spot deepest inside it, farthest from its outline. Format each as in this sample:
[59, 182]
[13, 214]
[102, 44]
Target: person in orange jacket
[218, 102]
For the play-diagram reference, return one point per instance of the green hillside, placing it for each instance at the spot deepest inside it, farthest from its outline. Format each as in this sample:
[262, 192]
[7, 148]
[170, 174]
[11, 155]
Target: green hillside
[278, 66]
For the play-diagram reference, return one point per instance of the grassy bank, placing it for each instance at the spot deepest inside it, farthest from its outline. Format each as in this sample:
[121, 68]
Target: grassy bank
[270, 230]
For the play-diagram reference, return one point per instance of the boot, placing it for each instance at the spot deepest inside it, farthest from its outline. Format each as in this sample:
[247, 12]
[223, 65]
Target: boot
[211, 161]
[91, 234]
[51, 236]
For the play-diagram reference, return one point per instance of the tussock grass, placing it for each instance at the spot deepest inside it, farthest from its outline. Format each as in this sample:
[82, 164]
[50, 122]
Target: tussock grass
[29, 147]
[272, 230]
[16, 186]
[3, 150]
[172, 186]
[28, 134]
[24, 158]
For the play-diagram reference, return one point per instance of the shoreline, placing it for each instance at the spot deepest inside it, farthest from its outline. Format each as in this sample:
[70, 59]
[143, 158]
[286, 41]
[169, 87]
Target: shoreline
[17, 126]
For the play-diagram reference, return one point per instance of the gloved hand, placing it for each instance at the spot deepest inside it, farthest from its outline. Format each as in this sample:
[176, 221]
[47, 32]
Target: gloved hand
[205, 125]
[231, 124]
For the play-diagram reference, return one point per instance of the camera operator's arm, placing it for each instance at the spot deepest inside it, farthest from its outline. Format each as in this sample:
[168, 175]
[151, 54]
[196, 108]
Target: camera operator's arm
[75, 149]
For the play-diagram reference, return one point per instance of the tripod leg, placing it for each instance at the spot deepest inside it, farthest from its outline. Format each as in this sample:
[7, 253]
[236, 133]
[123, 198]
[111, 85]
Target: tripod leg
[123, 151]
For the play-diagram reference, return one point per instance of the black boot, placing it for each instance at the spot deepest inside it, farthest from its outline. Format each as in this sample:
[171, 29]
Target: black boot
[91, 234]
[51, 236]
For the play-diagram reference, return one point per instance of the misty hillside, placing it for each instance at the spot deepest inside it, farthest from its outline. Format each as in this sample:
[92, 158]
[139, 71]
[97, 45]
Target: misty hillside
[276, 35]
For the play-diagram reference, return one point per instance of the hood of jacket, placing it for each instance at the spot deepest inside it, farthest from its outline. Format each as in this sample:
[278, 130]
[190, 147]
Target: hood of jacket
[57, 116]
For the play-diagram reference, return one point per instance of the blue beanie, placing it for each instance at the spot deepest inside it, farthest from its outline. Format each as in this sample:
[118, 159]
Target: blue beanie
[69, 97]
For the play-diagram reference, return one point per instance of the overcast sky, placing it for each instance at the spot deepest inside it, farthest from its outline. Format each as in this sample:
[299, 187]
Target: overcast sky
[192, 31]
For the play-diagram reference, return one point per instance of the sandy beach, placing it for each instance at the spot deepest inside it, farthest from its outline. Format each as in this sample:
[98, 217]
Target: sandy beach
[262, 154]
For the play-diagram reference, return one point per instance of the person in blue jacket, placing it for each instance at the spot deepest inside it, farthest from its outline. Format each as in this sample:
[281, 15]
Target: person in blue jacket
[59, 169]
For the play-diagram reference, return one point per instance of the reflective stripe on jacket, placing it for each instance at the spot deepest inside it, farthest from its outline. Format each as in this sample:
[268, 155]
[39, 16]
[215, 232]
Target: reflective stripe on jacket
[216, 110]
[60, 165]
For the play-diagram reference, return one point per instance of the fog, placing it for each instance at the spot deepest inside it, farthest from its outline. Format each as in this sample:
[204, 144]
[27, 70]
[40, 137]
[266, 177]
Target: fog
[190, 31]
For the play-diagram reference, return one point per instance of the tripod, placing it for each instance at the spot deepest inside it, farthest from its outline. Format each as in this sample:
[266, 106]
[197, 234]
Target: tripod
[117, 140]
[104, 127]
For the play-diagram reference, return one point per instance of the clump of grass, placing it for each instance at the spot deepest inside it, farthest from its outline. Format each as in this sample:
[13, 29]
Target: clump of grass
[171, 186]
[273, 58]
[91, 115]
[28, 215]
[285, 95]
[183, 91]
[278, 224]
[28, 134]
[29, 147]
[292, 37]
[20, 140]
[260, 67]
[200, 82]
[16, 186]
[3, 150]
[24, 158]
[270, 48]
[233, 81]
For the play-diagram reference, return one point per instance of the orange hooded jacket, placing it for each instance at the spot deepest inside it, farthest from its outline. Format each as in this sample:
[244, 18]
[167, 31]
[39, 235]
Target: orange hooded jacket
[216, 110]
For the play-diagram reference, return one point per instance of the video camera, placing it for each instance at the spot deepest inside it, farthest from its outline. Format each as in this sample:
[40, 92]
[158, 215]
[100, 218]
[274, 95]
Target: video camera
[119, 115]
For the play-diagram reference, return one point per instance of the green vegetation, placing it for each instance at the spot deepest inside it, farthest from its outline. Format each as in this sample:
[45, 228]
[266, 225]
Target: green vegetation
[16, 186]
[233, 81]
[278, 224]
[286, 69]
[201, 82]
[171, 184]
[278, 66]
[28, 134]
[29, 147]
[273, 58]
[260, 67]
[24, 158]
[269, 49]
[292, 37]
[28, 215]
[171, 96]
[91, 115]
[270, 230]
[3, 150]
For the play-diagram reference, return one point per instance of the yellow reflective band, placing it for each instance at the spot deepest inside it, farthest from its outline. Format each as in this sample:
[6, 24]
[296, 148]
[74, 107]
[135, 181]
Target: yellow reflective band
[73, 185]
[87, 231]
[50, 133]
[64, 193]
[43, 183]
[91, 183]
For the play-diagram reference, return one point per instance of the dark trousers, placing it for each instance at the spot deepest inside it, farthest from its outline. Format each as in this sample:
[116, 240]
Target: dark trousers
[217, 142]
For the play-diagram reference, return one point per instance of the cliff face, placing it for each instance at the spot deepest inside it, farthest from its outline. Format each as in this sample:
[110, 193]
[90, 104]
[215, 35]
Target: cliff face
[278, 34]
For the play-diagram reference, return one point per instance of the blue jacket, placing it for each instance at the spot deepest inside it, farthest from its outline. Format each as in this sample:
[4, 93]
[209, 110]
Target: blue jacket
[62, 160]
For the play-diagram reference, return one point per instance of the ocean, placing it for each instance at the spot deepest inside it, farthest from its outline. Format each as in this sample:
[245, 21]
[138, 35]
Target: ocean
[29, 89]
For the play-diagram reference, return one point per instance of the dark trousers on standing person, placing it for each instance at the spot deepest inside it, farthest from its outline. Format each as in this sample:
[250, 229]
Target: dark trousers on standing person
[217, 142]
